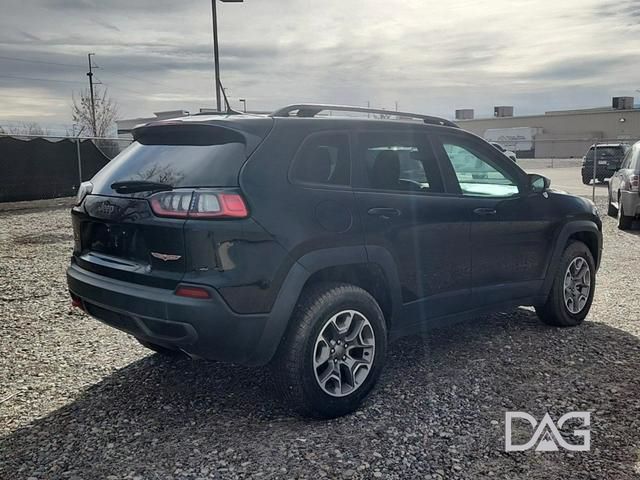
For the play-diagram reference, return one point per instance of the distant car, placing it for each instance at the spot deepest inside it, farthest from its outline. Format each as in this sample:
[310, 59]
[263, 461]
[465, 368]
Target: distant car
[624, 194]
[610, 157]
[511, 155]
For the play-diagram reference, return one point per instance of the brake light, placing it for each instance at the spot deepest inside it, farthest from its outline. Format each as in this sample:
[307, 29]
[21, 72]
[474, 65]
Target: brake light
[634, 183]
[199, 204]
[193, 292]
[84, 189]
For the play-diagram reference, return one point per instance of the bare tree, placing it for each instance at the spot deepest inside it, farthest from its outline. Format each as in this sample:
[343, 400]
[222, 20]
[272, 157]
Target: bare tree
[26, 128]
[106, 112]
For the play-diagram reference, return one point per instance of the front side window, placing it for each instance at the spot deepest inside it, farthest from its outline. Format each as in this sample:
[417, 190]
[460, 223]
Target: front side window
[323, 160]
[401, 161]
[476, 172]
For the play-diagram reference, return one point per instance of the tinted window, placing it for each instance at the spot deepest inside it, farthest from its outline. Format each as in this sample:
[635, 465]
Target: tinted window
[607, 152]
[477, 173]
[182, 157]
[323, 159]
[399, 161]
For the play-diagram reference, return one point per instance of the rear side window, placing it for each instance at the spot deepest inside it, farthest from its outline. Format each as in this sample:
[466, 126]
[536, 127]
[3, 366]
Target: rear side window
[180, 157]
[323, 159]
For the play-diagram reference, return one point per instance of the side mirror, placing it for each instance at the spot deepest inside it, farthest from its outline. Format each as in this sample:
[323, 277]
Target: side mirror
[538, 183]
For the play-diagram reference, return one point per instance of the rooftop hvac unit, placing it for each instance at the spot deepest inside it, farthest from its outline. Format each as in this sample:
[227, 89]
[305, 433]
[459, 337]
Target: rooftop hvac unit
[503, 111]
[464, 114]
[623, 103]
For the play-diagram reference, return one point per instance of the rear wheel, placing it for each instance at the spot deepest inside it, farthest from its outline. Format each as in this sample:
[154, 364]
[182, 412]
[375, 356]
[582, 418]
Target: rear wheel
[586, 180]
[164, 351]
[572, 292]
[624, 222]
[333, 351]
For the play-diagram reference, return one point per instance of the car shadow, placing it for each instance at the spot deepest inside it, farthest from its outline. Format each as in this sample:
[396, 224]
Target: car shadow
[440, 406]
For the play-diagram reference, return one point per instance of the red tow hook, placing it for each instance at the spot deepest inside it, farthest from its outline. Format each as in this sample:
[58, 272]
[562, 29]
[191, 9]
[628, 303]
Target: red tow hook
[76, 302]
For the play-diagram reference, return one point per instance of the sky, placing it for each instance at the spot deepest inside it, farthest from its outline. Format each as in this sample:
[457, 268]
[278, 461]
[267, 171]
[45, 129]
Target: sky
[431, 56]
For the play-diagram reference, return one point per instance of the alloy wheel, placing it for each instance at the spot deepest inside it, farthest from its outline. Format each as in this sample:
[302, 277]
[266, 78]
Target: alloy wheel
[344, 352]
[577, 285]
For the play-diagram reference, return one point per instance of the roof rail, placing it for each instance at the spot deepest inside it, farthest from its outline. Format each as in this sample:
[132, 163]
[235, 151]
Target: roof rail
[312, 109]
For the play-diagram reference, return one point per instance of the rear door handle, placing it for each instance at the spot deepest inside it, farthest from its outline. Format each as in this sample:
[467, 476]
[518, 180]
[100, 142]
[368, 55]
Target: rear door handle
[384, 212]
[485, 211]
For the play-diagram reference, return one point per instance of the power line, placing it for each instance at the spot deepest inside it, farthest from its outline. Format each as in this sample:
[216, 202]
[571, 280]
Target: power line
[40, 61]
[39, 79]
[145, 80]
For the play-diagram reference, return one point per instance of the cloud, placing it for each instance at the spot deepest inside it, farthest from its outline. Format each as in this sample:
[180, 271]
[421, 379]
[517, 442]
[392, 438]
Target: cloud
[429, 56]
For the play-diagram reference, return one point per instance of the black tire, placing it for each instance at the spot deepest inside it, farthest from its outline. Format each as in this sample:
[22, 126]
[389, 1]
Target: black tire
[164, 351]
[555, 312]
[586, 180]
[611, 210]
[624, 222]
[292, 367]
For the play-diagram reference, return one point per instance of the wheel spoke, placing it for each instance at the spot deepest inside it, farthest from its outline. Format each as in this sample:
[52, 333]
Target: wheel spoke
[322, 354]
[342, 321]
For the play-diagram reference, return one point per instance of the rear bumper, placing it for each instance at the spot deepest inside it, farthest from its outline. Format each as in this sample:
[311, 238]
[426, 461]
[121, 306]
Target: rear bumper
[204, 328]
[602, 171]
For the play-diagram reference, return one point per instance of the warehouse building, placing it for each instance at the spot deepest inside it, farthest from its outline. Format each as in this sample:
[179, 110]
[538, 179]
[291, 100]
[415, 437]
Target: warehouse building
[556, 134]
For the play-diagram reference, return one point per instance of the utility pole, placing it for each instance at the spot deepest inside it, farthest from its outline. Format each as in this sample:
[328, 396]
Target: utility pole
[216, 54]
[93, 102]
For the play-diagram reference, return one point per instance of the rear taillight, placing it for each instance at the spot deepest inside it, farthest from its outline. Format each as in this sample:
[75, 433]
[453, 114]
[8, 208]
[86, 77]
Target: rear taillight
[83, 190]
[634, 183]
[199, 204]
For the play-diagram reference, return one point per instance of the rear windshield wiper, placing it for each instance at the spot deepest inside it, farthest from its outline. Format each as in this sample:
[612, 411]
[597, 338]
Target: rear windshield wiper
[132, 186]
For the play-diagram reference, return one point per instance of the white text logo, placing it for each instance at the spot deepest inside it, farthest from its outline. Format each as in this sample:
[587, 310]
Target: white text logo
[547, 437]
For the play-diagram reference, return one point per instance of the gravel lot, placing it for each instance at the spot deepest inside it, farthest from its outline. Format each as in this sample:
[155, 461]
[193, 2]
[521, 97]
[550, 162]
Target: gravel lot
[80, 400]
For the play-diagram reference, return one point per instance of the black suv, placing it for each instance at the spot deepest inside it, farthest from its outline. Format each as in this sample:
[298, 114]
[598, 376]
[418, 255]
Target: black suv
[610, 156]
[309, 242]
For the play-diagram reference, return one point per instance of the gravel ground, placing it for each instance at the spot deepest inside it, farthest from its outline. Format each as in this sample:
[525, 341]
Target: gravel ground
[79, 400]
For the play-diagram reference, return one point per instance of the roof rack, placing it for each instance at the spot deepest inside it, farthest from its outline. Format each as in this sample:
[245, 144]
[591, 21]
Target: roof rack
[310, 110]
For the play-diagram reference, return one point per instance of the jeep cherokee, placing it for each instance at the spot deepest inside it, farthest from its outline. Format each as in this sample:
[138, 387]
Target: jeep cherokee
[309, 242]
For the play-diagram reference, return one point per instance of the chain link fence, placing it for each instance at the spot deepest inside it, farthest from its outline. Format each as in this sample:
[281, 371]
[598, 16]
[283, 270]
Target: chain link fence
[35, 167]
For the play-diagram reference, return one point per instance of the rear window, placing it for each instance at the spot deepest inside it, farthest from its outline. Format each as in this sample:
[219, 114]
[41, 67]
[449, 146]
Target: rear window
[180, 157]
[607, 152]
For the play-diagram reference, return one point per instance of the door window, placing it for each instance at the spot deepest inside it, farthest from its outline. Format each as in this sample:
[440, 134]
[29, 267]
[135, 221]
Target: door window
[399, 161]
[476, 172]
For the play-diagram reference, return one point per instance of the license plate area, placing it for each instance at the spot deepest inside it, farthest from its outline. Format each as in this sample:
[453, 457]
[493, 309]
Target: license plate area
[118, 240]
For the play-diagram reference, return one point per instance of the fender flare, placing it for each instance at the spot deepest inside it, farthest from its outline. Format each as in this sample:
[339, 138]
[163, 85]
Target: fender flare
[566, 231]
[300, 272]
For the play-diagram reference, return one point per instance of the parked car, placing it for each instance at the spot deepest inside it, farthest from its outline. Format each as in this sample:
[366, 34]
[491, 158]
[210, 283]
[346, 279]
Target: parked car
[508, 153]
[624, 194]
[610, 157]
[308, 243]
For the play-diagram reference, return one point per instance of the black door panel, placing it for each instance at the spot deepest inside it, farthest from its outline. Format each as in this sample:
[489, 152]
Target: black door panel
[512, 230]
[404, 210]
